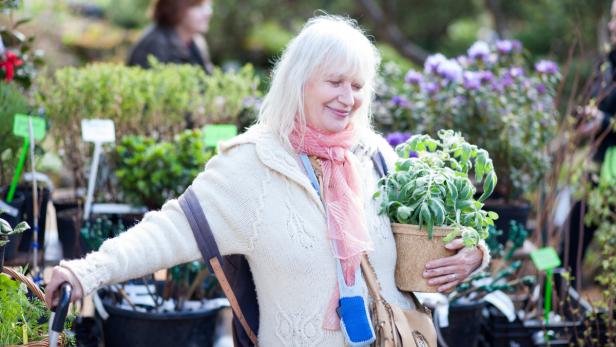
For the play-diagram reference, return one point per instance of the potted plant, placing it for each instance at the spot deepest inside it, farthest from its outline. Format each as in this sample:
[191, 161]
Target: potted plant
[431, 194]
[153, 102]
[12, 101]
[489, 95]
[468, 300]
[600, 323]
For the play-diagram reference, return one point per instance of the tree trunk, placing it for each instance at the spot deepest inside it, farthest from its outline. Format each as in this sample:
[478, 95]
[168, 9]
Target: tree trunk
[498, 17]
[388, 31]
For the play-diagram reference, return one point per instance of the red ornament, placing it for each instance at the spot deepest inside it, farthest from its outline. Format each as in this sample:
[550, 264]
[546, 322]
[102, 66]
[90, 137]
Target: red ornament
[9, 63]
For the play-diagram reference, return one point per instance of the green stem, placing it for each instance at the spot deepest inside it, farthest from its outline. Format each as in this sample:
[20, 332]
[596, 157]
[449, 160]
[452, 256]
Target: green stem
[20, 166]
[548, 296]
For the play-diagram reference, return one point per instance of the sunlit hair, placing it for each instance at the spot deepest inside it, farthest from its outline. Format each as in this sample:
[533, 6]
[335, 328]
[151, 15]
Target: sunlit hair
[325, 44]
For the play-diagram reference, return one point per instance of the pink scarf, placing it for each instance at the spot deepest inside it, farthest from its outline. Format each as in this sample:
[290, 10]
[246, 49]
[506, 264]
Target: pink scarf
[346, 226]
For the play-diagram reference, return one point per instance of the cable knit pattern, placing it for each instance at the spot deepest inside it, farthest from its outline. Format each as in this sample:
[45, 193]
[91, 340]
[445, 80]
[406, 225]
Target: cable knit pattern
[259, 203]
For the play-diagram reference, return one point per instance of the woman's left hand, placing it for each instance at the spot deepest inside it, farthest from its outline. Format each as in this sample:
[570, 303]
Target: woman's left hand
[448, 272]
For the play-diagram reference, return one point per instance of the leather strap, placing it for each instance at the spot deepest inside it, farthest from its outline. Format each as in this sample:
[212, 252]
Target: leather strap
[205, 240]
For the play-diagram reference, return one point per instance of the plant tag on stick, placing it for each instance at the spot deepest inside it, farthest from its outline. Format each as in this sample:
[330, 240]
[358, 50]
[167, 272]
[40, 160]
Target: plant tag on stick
[545, 258]
[215, 133]
[21, 126]
[97, 130]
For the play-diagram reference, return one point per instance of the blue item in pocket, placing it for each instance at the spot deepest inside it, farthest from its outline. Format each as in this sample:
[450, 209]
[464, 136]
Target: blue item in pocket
[354, 321]
[353, 312]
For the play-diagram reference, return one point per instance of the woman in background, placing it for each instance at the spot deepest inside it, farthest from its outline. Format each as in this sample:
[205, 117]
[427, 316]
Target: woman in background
[177, 34]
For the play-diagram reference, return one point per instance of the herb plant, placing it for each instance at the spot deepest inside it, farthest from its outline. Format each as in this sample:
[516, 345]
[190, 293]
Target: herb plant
[23, 317]
[434, 188]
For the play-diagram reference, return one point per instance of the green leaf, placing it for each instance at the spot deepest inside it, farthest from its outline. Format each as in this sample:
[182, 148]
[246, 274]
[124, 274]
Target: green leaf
[403, 213]
[21, 227]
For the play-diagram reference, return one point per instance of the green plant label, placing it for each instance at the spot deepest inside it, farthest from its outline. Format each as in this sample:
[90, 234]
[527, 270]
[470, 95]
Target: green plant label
[21, 126]
[218, 132]
[545, 258]
[97, 130]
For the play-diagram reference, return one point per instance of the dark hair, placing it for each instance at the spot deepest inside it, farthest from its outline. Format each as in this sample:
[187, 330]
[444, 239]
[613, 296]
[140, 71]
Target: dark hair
[169, 13]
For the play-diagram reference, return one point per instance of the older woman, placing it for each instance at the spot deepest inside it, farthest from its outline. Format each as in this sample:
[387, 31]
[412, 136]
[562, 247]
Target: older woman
[177, 35]
[260, 201]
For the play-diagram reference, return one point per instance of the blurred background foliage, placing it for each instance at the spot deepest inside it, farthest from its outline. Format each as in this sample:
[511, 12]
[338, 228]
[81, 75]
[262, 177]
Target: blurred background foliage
[75, 32]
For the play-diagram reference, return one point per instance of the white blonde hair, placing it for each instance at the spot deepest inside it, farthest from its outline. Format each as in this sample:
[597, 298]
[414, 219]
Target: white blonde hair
[325, 41]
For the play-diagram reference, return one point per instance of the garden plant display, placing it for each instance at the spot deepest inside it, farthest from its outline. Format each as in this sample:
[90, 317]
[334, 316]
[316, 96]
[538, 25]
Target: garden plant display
[490, 97]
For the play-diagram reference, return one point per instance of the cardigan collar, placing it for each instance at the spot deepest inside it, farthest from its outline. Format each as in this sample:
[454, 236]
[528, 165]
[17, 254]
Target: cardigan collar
[273, 154]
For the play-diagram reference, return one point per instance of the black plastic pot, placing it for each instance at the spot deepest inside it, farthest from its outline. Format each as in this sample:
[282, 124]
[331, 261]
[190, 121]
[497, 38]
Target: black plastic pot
[506, 214]
[464, 324]
[68, 232]
[140, 329]
[43, 197]
[497, 331]
[10, 250]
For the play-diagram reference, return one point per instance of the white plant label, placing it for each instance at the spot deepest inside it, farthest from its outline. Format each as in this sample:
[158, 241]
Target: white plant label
[97, 130]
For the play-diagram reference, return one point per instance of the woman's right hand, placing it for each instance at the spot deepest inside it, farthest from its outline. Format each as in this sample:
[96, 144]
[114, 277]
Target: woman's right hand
[60, 275]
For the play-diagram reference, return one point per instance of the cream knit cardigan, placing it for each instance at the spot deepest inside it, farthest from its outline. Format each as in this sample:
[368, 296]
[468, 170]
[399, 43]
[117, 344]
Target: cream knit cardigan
[260, 203]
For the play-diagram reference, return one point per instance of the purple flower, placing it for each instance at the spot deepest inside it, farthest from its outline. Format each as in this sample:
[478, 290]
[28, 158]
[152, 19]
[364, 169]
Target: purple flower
[450, 70]
[504, 82]
[547, 67]
[472, 80]
[400, 101]
[430, 88]
[504, 46]
[516, 46]
[433, 62]
[486, 76]
[413, 77]
[541, 88]
[479, 51]
[462, 60]
[516, 71]
[397, 138]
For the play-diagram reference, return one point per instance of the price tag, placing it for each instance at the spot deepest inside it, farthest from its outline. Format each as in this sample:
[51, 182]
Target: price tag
[215, 133]
[97, 130]
[545, 258]
[21, 126]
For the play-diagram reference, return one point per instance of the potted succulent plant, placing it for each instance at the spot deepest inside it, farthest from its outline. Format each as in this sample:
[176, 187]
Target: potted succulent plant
[430, 200]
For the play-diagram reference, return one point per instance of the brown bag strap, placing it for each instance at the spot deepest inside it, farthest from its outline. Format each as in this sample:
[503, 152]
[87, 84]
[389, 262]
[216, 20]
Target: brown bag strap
[203, 235]
[235, 306]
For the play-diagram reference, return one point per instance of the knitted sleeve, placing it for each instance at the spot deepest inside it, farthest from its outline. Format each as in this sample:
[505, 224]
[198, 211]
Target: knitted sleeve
[164, 238]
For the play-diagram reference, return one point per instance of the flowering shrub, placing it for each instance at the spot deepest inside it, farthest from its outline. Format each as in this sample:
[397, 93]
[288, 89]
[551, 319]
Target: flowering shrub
[18, 61]
[490, 96]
